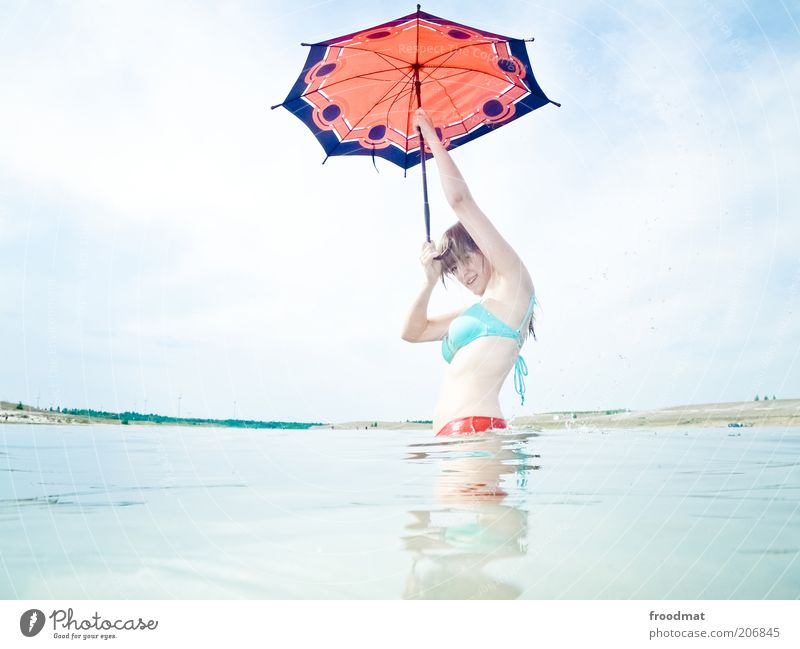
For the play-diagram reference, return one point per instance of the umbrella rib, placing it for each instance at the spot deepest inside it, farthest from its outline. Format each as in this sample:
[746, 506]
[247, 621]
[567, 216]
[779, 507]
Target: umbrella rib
[447, 94]
[362, 117]
[493, 76]
[357, 76]
[398, 95]
[408, 128]
[449, 76]
[360, 76]
[450, 55]
[461, 47]
[409, 78]
[377, 103]
[381, 54]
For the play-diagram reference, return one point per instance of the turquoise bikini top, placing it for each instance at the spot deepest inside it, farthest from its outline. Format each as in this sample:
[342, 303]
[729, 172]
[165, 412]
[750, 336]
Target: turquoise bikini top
[476, 322]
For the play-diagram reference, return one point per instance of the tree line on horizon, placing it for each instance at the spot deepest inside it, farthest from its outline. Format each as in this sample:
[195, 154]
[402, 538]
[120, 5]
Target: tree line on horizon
[132, 416]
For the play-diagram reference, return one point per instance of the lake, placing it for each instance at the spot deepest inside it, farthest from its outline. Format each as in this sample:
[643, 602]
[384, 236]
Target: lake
[159, 512]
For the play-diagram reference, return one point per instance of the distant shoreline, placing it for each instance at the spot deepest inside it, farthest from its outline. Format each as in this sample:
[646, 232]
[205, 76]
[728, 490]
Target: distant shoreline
[744, 414]
[20, 413]
[777, 412]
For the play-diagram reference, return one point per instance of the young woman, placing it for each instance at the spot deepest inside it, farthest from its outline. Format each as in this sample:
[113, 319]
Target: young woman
[481, 344]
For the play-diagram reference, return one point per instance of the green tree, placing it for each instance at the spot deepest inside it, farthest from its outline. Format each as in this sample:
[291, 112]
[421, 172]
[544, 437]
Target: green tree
[756, 399]
[19, 406]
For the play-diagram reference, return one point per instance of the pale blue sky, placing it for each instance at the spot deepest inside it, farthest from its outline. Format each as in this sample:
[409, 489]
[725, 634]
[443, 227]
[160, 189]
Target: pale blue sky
[164, 234]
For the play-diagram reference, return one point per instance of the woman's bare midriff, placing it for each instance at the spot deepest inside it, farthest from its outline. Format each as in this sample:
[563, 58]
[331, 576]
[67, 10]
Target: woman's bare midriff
[473, 380]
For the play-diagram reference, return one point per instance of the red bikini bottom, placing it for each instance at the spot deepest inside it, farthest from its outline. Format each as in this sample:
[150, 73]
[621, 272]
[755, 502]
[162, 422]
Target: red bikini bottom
[472, 425]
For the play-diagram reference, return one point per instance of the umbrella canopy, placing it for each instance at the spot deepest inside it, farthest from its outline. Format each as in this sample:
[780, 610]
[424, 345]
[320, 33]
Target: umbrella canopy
[358, 93]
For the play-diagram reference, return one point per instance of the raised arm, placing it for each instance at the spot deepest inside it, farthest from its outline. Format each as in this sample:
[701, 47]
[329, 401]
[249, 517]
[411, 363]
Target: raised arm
[418, 327]
[496, 249]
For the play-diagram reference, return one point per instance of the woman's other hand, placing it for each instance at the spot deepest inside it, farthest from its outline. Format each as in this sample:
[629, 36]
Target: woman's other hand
[432, 267]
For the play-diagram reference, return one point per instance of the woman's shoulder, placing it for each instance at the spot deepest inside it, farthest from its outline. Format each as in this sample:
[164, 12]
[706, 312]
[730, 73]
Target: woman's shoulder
[511, 290]
[513, 273]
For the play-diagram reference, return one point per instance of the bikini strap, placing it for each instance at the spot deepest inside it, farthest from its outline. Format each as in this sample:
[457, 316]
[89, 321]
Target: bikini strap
[528, 314]
[520, 366]
[520, 372]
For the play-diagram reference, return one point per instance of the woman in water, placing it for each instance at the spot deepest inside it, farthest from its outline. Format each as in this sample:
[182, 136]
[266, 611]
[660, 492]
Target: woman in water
[482, 343]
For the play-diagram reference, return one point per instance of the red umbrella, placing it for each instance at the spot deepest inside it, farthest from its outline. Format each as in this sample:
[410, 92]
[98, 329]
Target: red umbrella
[358, 93]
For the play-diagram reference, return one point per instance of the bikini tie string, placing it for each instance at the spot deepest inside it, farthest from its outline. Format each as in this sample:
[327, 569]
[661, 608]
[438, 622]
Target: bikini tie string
[520, 372]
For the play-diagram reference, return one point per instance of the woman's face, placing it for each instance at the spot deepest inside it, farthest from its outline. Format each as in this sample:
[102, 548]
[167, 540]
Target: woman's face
[474, 272]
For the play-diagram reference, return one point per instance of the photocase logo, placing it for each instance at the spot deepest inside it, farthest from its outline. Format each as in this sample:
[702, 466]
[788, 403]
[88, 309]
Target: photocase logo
[31, 622]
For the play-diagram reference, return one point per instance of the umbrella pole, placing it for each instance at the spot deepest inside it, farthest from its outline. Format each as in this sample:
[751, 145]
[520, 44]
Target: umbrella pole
[426, 206]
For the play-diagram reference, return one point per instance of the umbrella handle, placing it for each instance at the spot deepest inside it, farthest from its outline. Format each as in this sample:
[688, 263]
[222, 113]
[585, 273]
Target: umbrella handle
[426, 206]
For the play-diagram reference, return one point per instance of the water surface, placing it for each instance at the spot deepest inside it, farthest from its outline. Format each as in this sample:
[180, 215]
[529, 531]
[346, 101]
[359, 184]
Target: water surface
[188, 512]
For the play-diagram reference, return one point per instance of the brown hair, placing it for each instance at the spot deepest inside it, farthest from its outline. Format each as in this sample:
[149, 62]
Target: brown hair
[456, 244]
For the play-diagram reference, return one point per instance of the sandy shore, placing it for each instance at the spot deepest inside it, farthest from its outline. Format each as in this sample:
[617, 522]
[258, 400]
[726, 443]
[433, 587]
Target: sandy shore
[28, 415]
[781, 412]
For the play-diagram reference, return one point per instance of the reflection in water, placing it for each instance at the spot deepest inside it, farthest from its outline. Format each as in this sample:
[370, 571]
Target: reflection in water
[475, 519]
